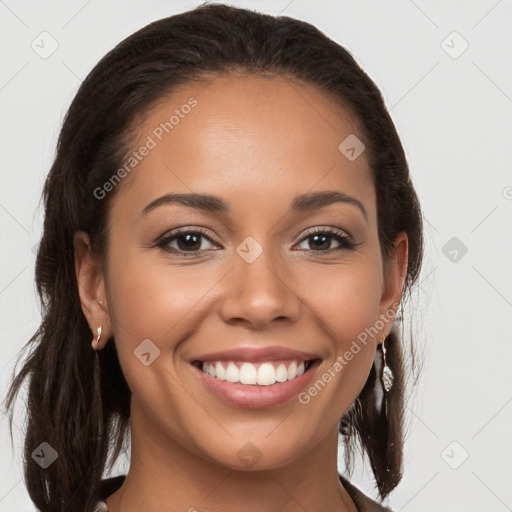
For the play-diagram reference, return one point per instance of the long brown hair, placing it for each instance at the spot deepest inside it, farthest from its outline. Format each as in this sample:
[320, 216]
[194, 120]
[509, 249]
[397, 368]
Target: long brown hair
[82, 411]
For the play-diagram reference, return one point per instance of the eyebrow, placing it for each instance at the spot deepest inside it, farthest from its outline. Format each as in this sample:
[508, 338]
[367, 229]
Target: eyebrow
[301, 203]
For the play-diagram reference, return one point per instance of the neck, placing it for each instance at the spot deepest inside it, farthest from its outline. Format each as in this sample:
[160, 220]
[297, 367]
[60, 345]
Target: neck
[165, 475]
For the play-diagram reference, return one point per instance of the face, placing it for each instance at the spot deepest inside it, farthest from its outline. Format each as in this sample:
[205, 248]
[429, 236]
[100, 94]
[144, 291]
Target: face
[254, 268]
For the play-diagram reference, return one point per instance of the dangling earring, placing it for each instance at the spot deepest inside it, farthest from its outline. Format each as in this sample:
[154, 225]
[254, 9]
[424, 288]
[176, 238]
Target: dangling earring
[387, 377]
[97, 406]
[387, 374]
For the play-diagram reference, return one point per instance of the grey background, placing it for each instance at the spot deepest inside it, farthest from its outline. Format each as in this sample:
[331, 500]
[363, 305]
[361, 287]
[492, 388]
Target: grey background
[453, 111]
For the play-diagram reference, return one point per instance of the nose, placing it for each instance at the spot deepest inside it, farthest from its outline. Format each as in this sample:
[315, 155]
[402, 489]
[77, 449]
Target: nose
[258, 293]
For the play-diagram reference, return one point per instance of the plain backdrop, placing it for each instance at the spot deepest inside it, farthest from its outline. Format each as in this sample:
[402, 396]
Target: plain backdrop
[445, 71]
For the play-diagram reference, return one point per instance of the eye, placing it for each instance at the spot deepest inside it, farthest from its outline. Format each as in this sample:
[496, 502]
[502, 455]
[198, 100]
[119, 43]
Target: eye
[322, 237]
[187, 240]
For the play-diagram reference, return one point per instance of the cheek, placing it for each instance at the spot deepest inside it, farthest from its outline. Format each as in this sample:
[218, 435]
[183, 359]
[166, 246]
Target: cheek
[346, 298]
[348, 309]
[155, 300]
[151, 301]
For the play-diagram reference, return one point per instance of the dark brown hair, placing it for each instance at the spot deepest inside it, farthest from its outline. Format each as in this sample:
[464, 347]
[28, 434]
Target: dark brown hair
[83, 411]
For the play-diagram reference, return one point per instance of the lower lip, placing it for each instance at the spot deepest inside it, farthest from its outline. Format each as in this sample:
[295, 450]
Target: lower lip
[253, 396]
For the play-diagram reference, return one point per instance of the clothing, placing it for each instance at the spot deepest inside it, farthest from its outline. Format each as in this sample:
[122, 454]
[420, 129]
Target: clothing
[363, 502]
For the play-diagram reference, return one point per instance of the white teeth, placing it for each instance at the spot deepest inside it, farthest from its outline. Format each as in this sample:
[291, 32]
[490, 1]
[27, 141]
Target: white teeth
[232, 373]
[220, 373]
[281, 373]
[265, 375]
[248, 374]
[292, 371]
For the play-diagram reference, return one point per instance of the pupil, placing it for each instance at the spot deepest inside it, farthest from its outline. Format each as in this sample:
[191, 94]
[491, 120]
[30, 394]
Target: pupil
[316, 237]
[191, 240]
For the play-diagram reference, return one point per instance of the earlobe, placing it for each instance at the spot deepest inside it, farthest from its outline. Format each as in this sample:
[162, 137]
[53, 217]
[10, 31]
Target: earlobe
[91, 288]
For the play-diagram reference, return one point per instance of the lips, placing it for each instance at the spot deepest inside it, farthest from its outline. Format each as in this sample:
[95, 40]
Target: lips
[256, 355]
[255, 377]
[255, 396]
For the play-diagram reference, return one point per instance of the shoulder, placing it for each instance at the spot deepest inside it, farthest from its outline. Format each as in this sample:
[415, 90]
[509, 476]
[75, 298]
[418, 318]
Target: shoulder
[363, 502]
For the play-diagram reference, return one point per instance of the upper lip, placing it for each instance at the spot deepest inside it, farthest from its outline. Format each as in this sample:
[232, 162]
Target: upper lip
[257, 354]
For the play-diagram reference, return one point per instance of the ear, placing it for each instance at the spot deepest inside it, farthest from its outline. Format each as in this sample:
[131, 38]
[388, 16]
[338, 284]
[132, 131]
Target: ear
[394, 278]
[91, 288]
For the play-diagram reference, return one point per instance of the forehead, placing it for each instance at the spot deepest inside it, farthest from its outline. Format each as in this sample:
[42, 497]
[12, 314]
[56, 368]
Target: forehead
[245, 136]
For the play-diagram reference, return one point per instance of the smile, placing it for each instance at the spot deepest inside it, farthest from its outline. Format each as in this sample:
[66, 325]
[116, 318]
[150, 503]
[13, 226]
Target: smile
[264, 373]
[254, 384]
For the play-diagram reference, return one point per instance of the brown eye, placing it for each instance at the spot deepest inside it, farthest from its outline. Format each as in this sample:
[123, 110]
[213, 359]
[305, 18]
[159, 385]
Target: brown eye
[320, 240]
[188, 241]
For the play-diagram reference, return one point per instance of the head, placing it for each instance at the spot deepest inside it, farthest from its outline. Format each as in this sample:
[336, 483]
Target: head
[254, 110]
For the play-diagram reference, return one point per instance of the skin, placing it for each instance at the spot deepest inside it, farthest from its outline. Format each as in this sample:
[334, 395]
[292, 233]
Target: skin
[256, 143]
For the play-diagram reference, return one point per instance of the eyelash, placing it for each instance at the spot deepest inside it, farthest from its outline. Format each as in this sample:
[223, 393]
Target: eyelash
[346, 241]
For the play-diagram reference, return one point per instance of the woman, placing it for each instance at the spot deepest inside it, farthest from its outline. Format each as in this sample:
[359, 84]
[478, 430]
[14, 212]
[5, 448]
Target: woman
[230, 229]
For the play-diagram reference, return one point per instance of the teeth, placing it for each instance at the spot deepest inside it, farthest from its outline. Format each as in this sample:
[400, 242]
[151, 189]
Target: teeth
[281, 373]
[264, 374]
[220, 373]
